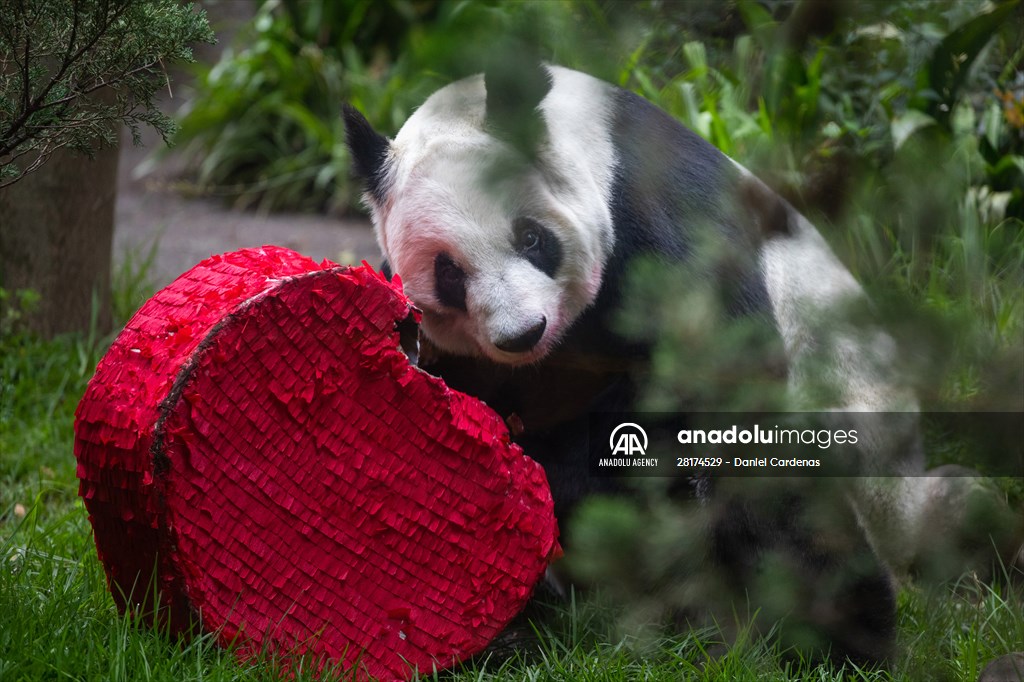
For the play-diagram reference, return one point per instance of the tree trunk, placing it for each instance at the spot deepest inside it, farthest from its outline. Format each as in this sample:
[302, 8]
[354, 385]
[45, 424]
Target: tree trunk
[56, 236]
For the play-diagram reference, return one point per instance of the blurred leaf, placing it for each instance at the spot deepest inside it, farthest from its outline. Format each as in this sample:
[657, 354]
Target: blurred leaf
[907, 123]
[952, 59]
[759, 20]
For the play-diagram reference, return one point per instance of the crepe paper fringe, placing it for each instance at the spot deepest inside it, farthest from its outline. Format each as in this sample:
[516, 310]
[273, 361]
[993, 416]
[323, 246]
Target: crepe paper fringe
[259, 460]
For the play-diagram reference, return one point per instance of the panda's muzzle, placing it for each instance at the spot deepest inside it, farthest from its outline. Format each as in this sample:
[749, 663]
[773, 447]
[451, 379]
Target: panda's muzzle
[525, 341]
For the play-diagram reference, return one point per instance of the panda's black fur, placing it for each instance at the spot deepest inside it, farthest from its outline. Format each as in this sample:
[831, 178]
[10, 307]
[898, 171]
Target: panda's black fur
[679, 191]
[669, 185]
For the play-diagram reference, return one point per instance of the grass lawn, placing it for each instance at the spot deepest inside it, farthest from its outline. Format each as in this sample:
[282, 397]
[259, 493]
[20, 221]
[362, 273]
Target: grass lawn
[57, 620]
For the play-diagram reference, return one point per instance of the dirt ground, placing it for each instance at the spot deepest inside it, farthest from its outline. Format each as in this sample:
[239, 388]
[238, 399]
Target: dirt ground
[187, 230]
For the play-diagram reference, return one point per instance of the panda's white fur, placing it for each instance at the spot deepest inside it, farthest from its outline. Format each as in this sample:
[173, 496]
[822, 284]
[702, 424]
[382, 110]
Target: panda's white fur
[440, 197]
[435, 190]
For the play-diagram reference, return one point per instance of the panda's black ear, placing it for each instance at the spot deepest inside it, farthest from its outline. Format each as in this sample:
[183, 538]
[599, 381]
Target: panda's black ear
[369, 151]
[514, 91]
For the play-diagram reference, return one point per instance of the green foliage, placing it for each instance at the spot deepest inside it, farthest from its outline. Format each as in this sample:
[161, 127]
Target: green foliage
[14, 305]
[953, 56]
[265, 125]
[858, 92]
[39, 382]
[70, 69]
[649, 560]
[131, 282]
[897, 131]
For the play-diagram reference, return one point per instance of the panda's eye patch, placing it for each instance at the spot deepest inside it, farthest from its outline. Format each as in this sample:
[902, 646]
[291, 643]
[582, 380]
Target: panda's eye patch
[537, 244]
[449, 282]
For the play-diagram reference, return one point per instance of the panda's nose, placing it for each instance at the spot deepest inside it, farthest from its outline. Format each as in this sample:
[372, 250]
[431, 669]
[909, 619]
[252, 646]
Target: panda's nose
[526, 340]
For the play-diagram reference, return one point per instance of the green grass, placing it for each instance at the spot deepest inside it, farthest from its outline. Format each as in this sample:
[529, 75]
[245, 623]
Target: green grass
[57, 621]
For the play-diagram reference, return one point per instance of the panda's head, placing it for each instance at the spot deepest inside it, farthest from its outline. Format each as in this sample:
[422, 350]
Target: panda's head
[491, 204]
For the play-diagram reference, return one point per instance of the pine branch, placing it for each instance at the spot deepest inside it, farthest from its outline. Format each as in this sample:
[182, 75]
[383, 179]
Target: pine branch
[66, 51]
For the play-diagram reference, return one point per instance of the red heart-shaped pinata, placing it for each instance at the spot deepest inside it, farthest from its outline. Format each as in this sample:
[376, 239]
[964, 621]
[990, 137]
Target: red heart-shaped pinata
[257, 436]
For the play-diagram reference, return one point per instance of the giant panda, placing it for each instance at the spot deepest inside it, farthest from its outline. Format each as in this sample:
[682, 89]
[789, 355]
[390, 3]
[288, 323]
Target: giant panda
[512, 205]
